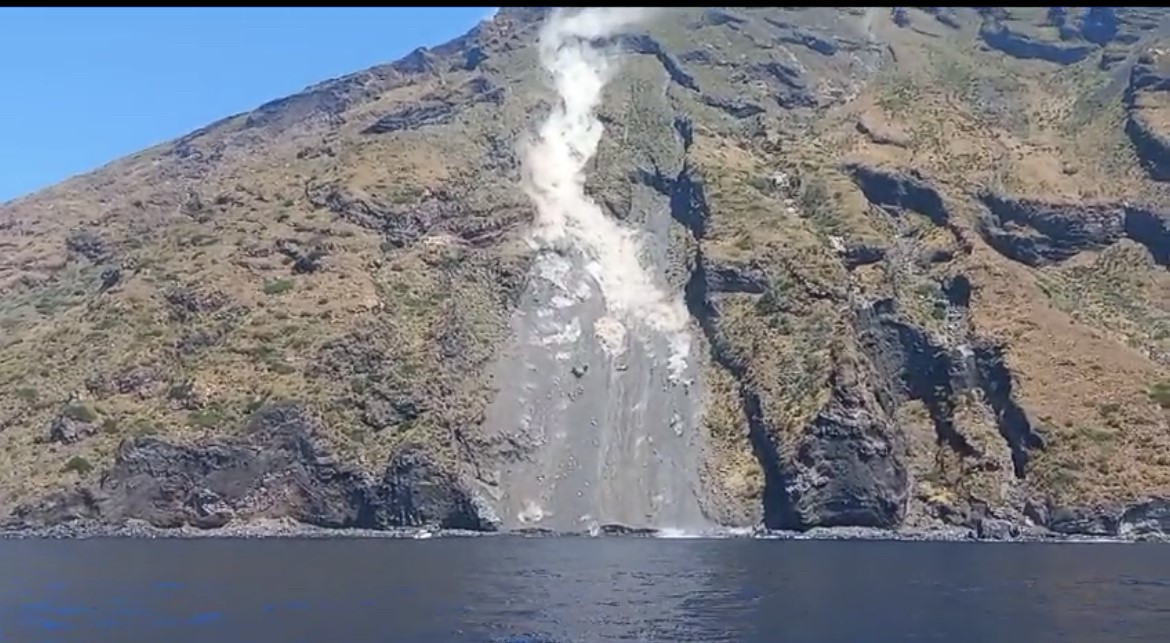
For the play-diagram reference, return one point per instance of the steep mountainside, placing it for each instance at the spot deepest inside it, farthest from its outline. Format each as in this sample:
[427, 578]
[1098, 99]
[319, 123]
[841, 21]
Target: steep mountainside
[917, 256]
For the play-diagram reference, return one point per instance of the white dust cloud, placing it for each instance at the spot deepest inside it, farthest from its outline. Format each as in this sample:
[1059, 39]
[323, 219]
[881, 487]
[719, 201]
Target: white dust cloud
[554, 179]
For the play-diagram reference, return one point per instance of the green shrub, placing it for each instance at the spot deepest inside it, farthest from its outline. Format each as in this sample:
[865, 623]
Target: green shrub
[208, 418]
[80, 413]
[1160, 394]
[278, 286]
[79, 465]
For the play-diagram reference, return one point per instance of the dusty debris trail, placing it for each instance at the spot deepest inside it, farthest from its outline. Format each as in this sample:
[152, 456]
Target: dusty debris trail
[614, 439]
[596, 387]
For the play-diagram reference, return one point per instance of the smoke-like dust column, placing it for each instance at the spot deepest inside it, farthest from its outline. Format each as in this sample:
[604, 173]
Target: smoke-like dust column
[555, 165]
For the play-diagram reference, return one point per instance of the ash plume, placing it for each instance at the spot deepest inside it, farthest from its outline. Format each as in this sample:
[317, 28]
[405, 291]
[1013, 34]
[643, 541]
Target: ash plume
[554, 178]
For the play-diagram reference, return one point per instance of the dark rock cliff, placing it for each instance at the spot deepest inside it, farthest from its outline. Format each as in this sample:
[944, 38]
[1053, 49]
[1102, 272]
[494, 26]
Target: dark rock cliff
[278, 468]
[1147, 92]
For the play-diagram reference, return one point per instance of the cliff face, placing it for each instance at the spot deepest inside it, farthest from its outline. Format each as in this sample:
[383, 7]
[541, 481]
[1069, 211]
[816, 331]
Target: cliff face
[923, 252]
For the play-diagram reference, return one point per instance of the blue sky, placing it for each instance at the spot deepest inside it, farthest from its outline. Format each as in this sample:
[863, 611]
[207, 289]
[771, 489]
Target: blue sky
[83, 87]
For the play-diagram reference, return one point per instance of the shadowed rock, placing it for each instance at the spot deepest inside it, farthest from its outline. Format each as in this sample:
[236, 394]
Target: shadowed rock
[791, 87]
[726, 278]
[110, 277]
[847, 467]
[1151, 229]
[944, 15]
[880, 134]
[88, 244]
[279, 468]
[416, 492]
[860, 254]
[1148, 89]
[1000, 37]
[304, 259]
[437, 109]
[909, 366]
[644, 44]
[1036, 233]
[995, 378]
[69, 427]
[796, 35]
[900, 16]
[734, 107]
[895, 190]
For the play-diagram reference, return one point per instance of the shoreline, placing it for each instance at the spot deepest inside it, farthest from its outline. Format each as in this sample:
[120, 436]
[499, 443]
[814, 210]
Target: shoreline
[290, 530]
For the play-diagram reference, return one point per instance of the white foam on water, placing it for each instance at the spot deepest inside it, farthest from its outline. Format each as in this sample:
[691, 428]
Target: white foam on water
[715, 533]
[678, 533]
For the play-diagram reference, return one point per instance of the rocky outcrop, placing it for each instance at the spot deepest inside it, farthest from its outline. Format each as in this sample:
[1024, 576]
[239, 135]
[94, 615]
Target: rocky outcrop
[1037, 233]
[862, 254]
[846, 468]
[280, 467]
[1019, 45]
[715, 17]
[305, 258]
[910, 366]
[644, 44]
[327, 101]
[789, 85]
[1147, 519]
[1148, 89]
[87, 244]
[728, 278]
[843, 468]
[404, 218]
[797, 35]
[74, 424]
[186, 303]
[438, 108]
[1150, 518]
[944, 15]
[378, 387]
[143, 382]
[895, 190]
[733, 107]
[416, 491]
[1014, 426]
[880, 134]
[401, 225]
[1104, 26]
[1151, 229]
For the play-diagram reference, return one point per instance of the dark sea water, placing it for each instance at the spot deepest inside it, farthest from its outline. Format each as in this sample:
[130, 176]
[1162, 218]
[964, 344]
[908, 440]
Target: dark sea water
[580, 590]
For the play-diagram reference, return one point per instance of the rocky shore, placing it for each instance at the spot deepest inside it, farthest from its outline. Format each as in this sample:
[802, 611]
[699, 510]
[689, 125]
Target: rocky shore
[292, 529]
[280, 479]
